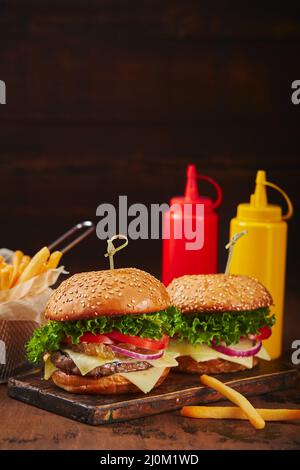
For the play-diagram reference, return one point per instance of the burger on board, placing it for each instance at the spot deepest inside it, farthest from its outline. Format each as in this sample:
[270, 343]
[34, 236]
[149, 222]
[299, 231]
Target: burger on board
[225, 318]
[107, 333]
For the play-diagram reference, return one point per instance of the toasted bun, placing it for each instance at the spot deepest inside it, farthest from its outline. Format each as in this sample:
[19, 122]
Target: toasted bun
[111, 292]
[215, 366]
[106, 385]
[218, 293]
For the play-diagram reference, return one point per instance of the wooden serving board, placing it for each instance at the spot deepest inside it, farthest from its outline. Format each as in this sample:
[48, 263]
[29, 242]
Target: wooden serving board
[177, 390]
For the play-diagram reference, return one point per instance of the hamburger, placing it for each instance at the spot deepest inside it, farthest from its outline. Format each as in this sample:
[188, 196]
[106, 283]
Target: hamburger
[225, 318]
[107, 333]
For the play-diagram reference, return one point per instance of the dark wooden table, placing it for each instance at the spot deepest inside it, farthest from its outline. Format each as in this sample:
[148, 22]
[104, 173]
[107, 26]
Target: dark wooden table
[27, 427]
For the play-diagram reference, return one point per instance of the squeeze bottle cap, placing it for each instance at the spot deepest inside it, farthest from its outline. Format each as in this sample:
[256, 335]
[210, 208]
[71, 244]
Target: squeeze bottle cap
[191, 194]
[258, 208]
[191, 187]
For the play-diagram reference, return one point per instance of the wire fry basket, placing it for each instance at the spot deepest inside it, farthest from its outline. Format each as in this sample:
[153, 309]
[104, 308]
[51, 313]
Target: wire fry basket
[14, 335]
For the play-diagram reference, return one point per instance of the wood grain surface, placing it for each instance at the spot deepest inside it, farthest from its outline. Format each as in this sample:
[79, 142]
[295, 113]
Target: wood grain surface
[27, 427]
[106, 99]
[176, 391]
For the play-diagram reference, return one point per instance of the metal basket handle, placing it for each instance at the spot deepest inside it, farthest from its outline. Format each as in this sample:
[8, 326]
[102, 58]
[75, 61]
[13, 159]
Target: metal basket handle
[90, 228]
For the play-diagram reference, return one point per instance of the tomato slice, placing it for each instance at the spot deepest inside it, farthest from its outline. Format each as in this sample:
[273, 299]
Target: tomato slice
[265, 333]
[144, 343]
[97, 338]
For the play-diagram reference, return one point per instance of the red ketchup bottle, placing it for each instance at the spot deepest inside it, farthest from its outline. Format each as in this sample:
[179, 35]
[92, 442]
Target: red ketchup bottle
[177, 260]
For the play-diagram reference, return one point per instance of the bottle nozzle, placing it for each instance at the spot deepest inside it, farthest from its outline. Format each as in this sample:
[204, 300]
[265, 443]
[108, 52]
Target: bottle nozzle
[191, 187]
[259, 198]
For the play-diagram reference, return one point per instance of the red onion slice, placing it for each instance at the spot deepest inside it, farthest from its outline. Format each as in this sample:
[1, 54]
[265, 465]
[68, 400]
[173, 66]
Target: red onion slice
[244, 348]
[136, 355]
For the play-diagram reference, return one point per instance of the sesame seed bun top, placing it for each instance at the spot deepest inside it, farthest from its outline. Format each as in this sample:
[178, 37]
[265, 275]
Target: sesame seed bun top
[217, 293]
[110, 292]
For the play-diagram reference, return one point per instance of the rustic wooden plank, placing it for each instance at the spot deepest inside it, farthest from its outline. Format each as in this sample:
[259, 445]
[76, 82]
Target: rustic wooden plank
[38, 429]
[85, 145]
[44, 200]
[47, 193]
[84, 179]
[169, 19]
[176, 391]
[152, 81]
[152, 87]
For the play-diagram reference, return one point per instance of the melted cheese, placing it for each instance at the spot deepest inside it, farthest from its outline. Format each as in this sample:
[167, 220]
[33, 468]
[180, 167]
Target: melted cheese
[49, 367]
[144, 379]
[202, 353]
[167, 360]
[263, 354]
[84, 362]
[87, 363]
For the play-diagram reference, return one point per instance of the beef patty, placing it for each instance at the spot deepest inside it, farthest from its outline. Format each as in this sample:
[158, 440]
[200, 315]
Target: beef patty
[63, 362]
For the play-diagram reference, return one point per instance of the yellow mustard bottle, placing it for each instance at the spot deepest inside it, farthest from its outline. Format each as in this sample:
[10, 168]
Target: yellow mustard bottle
[261, 253]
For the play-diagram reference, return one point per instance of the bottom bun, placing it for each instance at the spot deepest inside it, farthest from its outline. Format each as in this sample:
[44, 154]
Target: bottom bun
[215, 366]
[106, 385]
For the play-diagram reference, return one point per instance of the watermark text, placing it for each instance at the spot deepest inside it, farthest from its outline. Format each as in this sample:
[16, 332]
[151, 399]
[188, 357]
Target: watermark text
[296, 354]
[137, 221]
[2, 92]
[295, 97]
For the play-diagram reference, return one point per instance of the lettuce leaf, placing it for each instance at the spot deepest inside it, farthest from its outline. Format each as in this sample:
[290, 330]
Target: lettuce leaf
[226, 326]
[196, 328]
[149, 325]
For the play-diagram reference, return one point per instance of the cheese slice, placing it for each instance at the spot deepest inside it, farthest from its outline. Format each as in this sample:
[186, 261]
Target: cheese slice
[49, 367]
[145, 380]
[87, 363]
[167, 360]
[202, 353]
[199, 352]
[263, 354]
[84, 362]
[243, 361]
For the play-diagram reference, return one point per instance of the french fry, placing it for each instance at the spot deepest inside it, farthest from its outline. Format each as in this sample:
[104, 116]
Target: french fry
[255, 419]
[2, 262]
[2, 279]
[278, 414]
[232, 412]
[35, 265]
[43, 268]
[6, 275]
[24, 263]
[54, 260]
[17, 259]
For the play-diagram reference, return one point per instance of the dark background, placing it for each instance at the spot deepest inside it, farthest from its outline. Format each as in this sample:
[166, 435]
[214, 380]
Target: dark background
[116, 97]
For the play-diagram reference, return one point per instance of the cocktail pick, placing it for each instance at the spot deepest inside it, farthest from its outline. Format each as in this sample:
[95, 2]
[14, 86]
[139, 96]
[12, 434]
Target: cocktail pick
[112, 250]
[230, 247]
